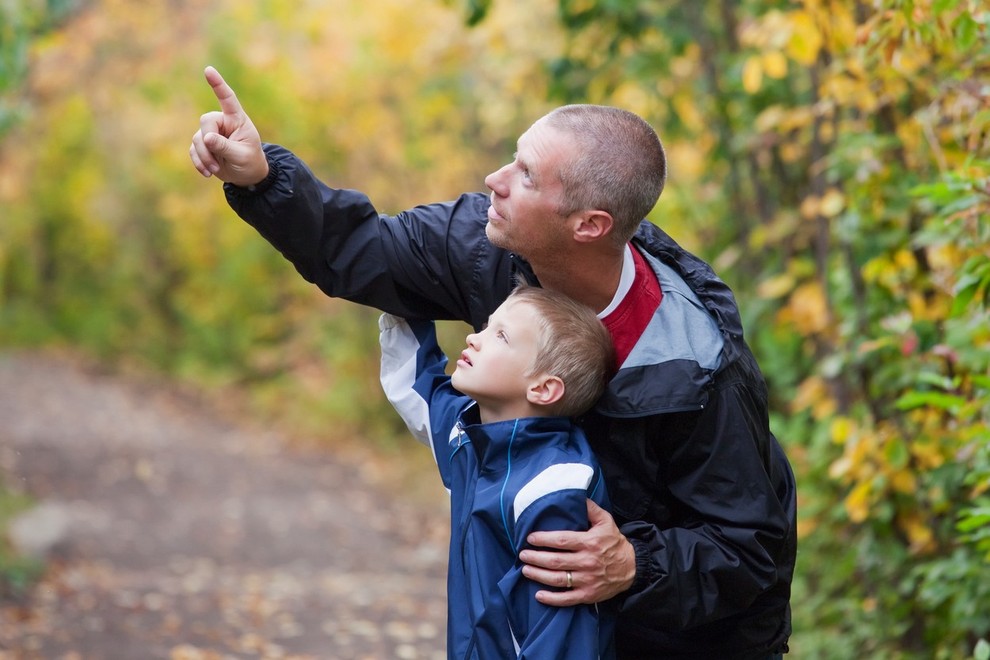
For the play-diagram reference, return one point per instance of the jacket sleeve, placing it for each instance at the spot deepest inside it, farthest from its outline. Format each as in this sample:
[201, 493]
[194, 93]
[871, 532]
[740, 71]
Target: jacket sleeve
[430, 262]
[554, 500]
[736, 540]
[414, 378]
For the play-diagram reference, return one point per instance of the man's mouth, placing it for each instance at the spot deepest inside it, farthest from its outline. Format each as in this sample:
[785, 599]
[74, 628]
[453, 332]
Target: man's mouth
[493, 213]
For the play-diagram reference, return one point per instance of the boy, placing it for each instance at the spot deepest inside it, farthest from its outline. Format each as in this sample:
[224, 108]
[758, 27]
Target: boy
[513, 461]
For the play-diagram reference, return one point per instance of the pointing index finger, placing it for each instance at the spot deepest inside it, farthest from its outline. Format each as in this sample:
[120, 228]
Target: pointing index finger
[228, 100]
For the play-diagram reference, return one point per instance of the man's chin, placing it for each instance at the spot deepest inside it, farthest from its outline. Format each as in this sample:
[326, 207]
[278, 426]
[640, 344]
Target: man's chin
[495, 237]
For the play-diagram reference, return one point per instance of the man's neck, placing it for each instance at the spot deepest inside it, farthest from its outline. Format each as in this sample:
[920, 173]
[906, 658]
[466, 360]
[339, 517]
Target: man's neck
[591, 278]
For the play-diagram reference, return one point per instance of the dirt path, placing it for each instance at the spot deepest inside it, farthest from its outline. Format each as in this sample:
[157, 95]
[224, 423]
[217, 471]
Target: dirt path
[179, 536]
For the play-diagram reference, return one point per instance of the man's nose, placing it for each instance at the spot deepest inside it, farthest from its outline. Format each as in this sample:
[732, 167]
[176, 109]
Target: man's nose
[496, 181]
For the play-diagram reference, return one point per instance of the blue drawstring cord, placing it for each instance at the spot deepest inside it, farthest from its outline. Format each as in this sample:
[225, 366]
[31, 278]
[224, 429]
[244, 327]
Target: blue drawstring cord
[505, 483]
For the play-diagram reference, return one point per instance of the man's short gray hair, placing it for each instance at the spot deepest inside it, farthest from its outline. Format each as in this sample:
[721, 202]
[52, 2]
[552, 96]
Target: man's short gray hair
[621, 167]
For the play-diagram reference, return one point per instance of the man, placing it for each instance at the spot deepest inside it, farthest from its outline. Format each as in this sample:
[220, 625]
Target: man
[699, 552]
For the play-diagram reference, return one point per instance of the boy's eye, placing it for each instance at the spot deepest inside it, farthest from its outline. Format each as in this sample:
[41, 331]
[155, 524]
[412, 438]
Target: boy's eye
[501, 335]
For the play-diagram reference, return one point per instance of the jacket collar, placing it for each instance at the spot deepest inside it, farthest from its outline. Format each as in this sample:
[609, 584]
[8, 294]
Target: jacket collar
[493, 441]
[671, 366]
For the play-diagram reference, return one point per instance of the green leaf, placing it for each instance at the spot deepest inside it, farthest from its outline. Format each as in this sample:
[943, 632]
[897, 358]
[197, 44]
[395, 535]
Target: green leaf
[477, 10]
[974, 518]
[963, 297]
[982, 650]
[937, 400]
[934, 379]
[966, 30]
[897, 453]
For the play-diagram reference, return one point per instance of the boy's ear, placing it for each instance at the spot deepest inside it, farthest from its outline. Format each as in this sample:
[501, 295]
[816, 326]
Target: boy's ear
[545, 390]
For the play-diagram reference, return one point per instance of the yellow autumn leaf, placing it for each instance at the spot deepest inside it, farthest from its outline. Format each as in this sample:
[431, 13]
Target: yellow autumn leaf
[806, 39]
[633, 97]
[770, 119]
[832, 203]
[791, 152]
[903, 481]
[872, 345]
[811, 389]
[921, 307]
[918, 532]
[774, 64]
[841, 429]
[842, 26]
[813, 394]
[797, 118]
[861, 454]
[752, 75]
[776, 286]
[846, 90]
[687, 112]
[944, 257]
[927, 454]
[808, 308]
[690, 157]
[810, 206]
[857, 503]
[905, 260]
[839, 468]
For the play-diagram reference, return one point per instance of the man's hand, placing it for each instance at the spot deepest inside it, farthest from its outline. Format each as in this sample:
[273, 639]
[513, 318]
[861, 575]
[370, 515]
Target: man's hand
[227, 145]
[601, 562]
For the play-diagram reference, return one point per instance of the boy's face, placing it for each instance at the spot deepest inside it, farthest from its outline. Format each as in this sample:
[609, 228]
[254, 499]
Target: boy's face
[493, 369]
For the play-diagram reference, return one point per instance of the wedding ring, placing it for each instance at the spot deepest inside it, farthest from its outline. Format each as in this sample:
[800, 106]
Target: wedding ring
[570, 581]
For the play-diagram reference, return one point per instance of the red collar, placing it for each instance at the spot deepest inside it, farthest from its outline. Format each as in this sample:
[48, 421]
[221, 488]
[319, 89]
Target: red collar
[629, 319]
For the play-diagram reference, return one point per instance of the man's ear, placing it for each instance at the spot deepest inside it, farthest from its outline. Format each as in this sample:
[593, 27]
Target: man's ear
[545, 390]
[593, 225]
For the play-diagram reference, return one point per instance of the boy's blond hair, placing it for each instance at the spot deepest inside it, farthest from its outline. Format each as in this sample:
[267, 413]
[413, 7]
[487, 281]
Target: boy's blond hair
[572, 345]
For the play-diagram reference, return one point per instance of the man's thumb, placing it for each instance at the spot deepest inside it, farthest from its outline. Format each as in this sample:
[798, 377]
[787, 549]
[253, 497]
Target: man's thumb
[596, 514]
[216, 143]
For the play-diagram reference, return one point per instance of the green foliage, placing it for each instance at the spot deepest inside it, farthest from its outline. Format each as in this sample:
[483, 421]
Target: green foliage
[836, 154]
[112, 244]
[17, 573]
[20, 22]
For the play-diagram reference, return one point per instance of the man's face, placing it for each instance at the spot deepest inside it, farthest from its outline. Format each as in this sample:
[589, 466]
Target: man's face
[494, 368]
[527, 193]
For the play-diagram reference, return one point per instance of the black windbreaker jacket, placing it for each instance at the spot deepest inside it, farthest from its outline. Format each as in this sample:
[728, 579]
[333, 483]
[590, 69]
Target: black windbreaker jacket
[698, 483]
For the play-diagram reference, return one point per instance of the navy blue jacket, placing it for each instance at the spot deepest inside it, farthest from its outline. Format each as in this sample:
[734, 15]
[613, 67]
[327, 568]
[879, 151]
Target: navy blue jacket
[506, 479]
[697, 481]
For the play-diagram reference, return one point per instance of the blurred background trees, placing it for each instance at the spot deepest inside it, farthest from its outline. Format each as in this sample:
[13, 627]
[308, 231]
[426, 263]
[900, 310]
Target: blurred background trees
[830, 159]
